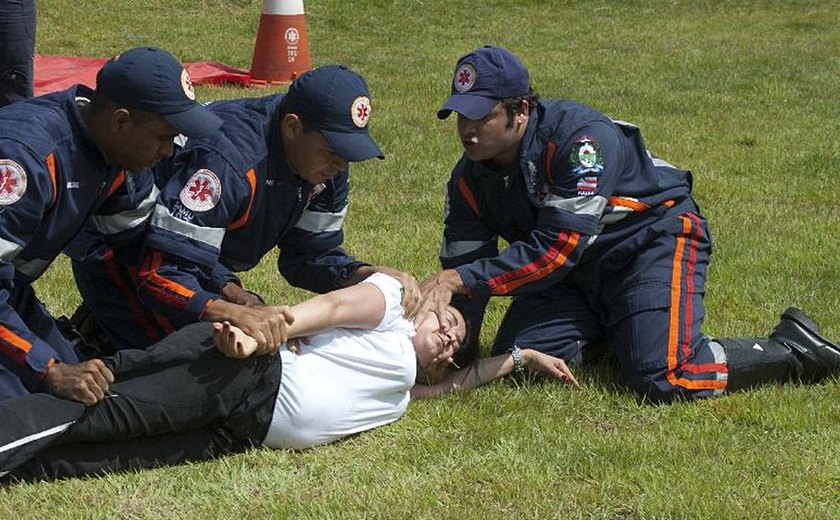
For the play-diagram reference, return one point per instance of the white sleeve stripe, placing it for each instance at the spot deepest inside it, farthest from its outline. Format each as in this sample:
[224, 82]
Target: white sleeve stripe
[128, 219]
[164, 220]
[317, 222]
[453, 249]
[8, 250]
[591, 205]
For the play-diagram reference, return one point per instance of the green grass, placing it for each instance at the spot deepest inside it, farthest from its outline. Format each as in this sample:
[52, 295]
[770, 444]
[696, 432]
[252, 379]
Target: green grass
[742, 93]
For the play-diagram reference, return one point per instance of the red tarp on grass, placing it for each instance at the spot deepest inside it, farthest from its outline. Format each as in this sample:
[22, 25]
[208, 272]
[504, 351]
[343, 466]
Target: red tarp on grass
[54, 73]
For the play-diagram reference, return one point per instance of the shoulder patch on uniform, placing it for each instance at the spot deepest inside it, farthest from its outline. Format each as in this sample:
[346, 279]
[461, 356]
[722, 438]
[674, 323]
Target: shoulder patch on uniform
[586, 157]
[202, 192]
[12, 182]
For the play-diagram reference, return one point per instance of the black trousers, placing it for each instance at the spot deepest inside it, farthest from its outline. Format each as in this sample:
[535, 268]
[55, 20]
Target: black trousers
[180, 400]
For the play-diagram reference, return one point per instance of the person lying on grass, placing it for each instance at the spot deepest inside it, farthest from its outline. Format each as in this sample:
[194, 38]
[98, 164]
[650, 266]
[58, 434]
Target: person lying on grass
[183, 400]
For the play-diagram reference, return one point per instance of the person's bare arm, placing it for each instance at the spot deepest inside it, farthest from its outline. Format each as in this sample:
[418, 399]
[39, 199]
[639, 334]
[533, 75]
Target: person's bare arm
[410, 288]
[489, 369]
[360, 306]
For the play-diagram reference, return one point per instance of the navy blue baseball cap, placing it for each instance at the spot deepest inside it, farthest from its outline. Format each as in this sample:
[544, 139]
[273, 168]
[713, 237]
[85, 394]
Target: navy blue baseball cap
[153, 80]
[335, 100]
[482, 79]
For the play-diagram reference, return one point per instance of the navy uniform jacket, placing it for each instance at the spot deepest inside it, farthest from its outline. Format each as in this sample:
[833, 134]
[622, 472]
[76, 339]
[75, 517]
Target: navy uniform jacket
[582, 184]
[52, 179]
[230, 200]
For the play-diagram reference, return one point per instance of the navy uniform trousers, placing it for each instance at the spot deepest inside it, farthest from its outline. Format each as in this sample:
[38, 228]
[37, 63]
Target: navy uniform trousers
[180, 400]
[644, 298]
[17, 47]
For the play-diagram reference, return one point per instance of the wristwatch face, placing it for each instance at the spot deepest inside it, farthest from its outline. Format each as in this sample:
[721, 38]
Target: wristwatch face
[516, 355]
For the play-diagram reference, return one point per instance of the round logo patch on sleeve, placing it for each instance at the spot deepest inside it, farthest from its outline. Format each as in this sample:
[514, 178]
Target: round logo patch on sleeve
[12, 182]
[360, 111]
[202, 191]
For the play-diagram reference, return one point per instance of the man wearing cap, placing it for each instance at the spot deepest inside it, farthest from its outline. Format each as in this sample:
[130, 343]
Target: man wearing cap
[275, 175]
[69, 158]
[605, 244]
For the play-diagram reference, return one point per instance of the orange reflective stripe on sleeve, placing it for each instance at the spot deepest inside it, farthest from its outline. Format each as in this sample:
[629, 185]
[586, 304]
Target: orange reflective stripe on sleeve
[629, 203]
[252, 180]
[118, 181]
[549, 155]
[555, 257]
[51, 168]
[162, 282]
[468, 195]
[13, 345]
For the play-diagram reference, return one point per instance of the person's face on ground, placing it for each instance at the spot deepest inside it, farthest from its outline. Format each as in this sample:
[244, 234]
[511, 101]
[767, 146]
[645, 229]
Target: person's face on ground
[432, 345]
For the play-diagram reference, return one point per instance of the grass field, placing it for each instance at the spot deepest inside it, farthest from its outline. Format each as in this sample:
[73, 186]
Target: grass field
[742, 93]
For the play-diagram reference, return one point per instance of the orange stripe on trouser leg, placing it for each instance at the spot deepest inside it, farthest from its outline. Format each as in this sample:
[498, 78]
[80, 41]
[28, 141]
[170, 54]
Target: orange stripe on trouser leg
[674, 316]
[674, 332]
[689, 290]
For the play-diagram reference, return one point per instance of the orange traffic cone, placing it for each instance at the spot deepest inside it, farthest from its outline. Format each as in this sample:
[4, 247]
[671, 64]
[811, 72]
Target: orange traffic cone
[281, 52]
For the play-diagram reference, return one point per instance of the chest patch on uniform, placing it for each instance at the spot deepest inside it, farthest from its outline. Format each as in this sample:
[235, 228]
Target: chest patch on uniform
[585, 157]
[202, 192]
[12, 182]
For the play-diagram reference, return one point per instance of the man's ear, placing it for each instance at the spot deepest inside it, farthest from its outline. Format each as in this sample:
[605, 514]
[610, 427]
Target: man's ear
[119, 120]
[523, 112]
[291, 126]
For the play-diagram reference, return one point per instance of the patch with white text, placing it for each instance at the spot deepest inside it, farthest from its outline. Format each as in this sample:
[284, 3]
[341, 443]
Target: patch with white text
[587, 186]
[202, 192]
[586, 158]
[12, 182]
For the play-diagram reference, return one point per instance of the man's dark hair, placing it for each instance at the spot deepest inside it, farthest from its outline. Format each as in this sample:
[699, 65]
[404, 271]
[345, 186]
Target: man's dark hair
[100, 103]
[468, 353]
[286, 107]
[512, 104]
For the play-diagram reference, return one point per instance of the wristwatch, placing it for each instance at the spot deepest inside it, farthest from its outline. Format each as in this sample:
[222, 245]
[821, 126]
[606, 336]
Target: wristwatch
[516, 354]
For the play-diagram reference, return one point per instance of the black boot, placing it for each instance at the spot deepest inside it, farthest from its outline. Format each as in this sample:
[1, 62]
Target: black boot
[820, 357]
[758, 361]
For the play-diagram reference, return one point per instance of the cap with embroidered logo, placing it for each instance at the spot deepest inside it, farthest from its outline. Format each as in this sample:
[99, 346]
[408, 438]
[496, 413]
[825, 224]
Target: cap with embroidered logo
[150, 79]
[335, 101]
[483, 78]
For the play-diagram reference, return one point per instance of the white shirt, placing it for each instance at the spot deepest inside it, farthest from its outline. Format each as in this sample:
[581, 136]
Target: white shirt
[346, 380]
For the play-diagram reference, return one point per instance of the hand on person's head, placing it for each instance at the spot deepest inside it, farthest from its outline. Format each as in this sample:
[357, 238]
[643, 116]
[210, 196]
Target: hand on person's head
[86, 382]
[436, 298]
